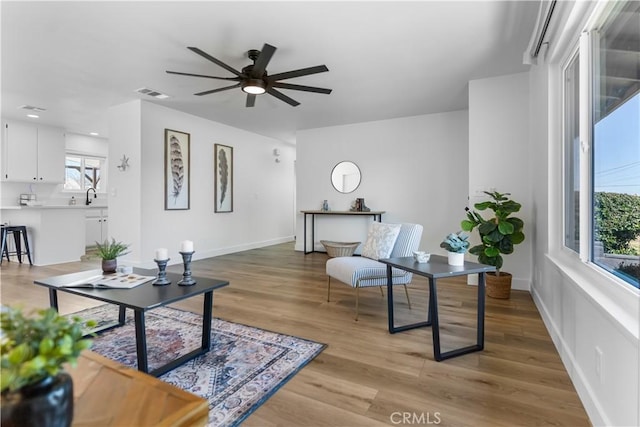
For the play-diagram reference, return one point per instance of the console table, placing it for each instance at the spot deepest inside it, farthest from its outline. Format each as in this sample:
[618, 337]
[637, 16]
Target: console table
[377, 216]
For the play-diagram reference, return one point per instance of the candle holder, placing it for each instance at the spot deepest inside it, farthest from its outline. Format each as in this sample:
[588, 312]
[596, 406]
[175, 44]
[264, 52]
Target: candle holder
[187, 280]
[162, 280]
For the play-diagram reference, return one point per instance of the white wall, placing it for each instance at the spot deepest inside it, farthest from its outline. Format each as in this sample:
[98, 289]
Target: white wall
[499, 157]
[263, 190]
[125, 187]
[414, 168]
[87, 145]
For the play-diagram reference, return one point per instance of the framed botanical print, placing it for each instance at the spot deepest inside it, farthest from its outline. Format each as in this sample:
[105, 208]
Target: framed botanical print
[223, 177]
[177, 170]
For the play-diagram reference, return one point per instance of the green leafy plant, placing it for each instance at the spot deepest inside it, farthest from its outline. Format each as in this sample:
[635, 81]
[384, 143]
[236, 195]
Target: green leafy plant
[499, 234]
[35, 347]
[111, 250]
[617, 222]
[456, 242]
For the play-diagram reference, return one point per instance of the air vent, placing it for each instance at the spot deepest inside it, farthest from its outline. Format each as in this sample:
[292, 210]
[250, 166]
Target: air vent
[153, 93]
[32, 108]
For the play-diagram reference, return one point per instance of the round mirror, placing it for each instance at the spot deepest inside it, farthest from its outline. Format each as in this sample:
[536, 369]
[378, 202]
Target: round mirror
[345, 177]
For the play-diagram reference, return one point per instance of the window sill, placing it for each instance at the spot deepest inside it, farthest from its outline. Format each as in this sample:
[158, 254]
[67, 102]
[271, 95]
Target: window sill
[616, 298]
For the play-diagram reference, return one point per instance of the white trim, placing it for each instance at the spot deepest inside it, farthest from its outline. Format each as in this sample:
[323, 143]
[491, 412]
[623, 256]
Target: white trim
[574, 53]
[584, 110]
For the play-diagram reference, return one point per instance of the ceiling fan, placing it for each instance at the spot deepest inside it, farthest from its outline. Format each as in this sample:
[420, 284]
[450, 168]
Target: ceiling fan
[254, 80]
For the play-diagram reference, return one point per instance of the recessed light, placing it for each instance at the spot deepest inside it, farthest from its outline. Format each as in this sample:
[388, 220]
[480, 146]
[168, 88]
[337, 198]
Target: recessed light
[33, 116]
[94, 133]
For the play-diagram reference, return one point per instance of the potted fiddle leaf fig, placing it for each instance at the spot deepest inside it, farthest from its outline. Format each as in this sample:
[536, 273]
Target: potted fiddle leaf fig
[109, 251]
[498, 236]
[35, 389]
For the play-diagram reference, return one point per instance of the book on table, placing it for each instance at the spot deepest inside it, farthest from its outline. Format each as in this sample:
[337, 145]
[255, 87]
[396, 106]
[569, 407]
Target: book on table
[110, 281]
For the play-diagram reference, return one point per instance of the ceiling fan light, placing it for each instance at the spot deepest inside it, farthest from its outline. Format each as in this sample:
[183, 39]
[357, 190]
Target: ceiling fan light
[254, 86]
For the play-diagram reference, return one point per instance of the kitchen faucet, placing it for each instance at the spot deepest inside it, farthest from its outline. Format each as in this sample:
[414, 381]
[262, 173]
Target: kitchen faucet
[95, 196]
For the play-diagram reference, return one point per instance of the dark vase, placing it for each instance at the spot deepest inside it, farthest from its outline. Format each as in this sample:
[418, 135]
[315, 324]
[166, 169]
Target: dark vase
[109, 265]
[47, 403]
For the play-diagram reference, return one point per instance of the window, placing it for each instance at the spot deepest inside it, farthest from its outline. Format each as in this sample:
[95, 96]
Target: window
[616, 144]
[572, 154]
[83, 172]
[602, 184]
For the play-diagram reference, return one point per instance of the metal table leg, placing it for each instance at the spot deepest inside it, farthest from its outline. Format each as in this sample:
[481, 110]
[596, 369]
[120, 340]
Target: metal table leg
[207, 317]
[53, 298]
[141, 341]
[313, 232]
[392, 328]
[479, 334]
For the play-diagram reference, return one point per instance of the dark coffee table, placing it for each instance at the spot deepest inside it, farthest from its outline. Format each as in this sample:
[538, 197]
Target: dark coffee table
[142, 299]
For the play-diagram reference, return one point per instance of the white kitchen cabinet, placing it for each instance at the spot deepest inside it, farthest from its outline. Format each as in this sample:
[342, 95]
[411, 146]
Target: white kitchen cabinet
[32, 153]
[97, 226]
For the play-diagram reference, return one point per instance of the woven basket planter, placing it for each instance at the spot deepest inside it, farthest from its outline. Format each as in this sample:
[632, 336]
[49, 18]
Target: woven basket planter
[498, 286]
[338, 249]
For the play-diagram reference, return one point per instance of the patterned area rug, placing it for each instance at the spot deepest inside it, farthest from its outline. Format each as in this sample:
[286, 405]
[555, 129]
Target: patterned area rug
[245, 366]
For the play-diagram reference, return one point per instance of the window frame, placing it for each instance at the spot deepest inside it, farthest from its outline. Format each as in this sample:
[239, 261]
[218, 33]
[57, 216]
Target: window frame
[574, 53]
[611, 291]
[83, 157]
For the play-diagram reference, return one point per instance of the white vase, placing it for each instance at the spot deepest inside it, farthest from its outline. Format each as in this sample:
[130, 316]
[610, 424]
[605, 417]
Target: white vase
[456, 258]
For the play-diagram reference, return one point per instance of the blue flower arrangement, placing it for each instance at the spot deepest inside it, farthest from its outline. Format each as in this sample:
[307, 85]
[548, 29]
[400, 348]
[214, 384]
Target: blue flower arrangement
[456, 242]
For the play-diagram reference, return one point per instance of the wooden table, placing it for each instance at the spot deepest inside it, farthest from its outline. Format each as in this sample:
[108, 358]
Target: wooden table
[438, 268]
[108, 394]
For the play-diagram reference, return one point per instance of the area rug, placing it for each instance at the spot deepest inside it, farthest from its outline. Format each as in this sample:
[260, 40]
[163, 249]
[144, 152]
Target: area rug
[245, 366]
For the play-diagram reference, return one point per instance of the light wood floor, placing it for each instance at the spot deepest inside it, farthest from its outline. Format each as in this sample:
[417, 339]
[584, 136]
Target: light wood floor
[366, 376]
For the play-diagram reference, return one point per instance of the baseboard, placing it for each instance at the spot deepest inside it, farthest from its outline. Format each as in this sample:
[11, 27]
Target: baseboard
[587, 396]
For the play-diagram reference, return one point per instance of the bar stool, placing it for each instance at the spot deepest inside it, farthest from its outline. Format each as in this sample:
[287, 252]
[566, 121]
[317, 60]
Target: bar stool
[16, 231]
[5, 251]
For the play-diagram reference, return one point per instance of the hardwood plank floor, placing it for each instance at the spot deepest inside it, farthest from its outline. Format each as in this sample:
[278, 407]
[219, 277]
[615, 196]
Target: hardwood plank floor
[366, 376]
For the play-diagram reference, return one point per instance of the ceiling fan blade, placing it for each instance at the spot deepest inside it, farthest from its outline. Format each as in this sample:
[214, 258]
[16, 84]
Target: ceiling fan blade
[282, 97]
[251, 100]
[201, 75]
[263, 59]
[300, 87]
[217, 90]
[298, 73]
[215, 61]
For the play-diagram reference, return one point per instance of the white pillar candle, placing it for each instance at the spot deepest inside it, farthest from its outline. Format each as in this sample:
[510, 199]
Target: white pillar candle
[186, 246]
[162, 254]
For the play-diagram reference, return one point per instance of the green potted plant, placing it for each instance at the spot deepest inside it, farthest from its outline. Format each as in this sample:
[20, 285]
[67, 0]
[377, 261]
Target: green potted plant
[109, 251]
[498, 235]
[456, 245]
[35, 388]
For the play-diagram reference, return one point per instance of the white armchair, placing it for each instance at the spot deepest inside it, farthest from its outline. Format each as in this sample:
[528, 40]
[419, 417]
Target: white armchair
[366, 270]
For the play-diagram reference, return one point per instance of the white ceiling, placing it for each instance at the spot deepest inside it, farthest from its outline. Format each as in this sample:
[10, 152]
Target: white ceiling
[385, 59]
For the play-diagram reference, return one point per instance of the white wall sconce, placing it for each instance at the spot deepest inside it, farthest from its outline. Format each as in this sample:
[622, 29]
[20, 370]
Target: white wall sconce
[276, 154]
